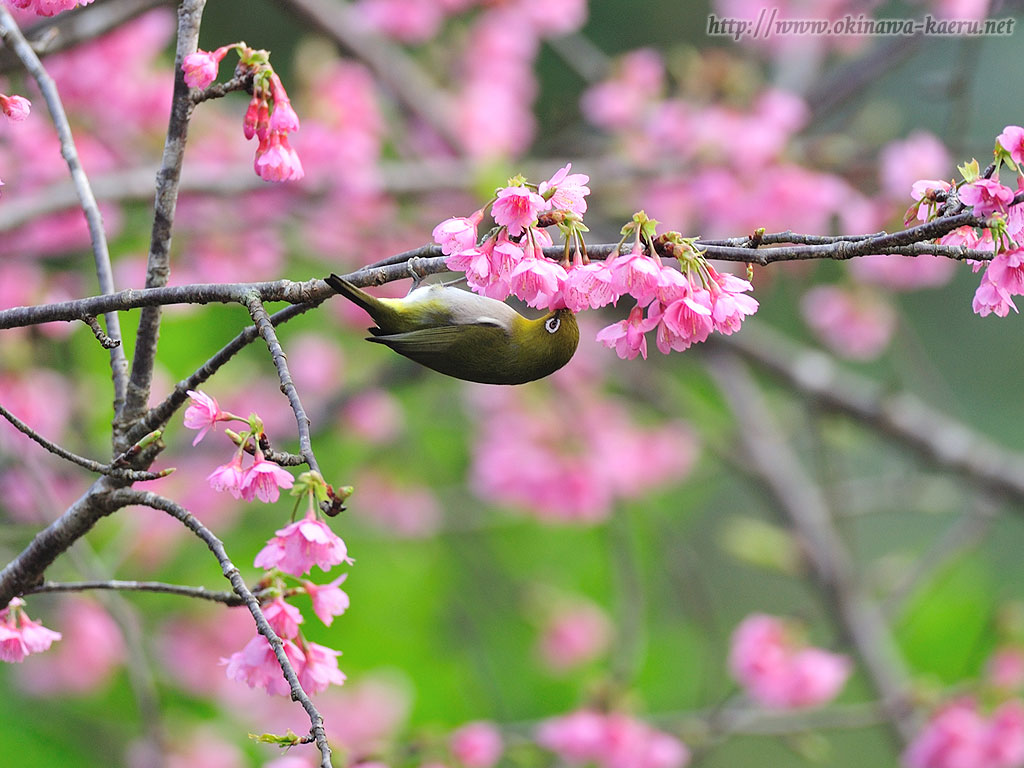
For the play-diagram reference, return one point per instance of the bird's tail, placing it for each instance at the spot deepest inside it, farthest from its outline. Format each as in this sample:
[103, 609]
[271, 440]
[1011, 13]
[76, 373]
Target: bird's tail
[352, 293]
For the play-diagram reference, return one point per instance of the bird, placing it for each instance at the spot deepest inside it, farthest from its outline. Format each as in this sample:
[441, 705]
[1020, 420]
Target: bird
[466, 336]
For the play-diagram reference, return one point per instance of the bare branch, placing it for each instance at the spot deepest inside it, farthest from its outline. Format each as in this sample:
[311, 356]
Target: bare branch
[12, 36]
[201, 593]
[158, 267]
[74, 458]
[266, 330]
[105, 341]
[125, 496]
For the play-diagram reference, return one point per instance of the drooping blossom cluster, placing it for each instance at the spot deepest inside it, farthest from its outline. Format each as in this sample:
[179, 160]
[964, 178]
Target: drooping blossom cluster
[610, 740]
[570, 458]
[20, 635]
[959, 735]
[988, 198]
[261, 479]
[269, 117]
[293, 550]
[778, 672]
[683, 306]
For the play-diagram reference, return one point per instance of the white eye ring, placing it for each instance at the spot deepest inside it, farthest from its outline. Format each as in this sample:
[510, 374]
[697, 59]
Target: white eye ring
[552, 324]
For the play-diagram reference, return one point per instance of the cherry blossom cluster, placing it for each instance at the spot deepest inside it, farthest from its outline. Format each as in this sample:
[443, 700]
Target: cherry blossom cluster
[778, 671]
[20, 636]
[261, 479]
[987, 197]
[269, 117]
[293, 551]
[46, 7]
[610, 740]
[684, 306]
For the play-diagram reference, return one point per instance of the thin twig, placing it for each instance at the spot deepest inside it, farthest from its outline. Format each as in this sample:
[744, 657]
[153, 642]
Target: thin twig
[158, 267]
[11, 34]
[266, 329]
[201, 593]
[74, 458]
[105, 341]
[125, 497]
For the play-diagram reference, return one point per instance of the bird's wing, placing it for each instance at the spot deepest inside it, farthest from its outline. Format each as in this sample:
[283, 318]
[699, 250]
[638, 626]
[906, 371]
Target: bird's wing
[434, 341]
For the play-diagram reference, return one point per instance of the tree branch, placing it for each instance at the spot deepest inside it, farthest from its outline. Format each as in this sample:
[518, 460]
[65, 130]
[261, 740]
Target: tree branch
[125, 496]
[201, 593]
[158, 267]
[266, 330]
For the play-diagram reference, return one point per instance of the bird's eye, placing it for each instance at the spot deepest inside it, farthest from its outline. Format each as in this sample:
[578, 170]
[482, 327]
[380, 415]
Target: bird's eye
[551, 326]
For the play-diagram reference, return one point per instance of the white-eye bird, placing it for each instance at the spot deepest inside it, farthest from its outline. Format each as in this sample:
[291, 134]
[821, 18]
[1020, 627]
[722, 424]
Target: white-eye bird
[467, 336]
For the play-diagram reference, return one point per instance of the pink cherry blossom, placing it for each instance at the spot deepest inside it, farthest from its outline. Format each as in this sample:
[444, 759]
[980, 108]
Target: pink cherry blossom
[992, 299]
[777, 673]
[986, 196]
[959, 736]
[328, 599]
[457, 234]
[730, 304]
[201, 67]
[277, 161]
[636, 274]
[257, 666]
[517, 208]
[627, 336]
[264, 479]
[477, 745]
[565, 191]
[47, 7]
[299, 546]
[588, 286]
[684, 322]
[1012, 140]
[20, 635]
[284, 618]
[1007, 271]
[202, 414]
[229, 477]
[538, 282]
[90, 652]
[283, 118]
[16, 108]
[320, 668]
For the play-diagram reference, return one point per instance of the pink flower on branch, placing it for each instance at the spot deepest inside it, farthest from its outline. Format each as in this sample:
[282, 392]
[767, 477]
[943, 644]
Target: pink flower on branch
[201, 67]
[264, 479]
[276, 160]
[328, 599]
[16, 108]
[566, 191]
[203, 414]
[627, 336]
[299, 546]
[20, 636]
[517, 208]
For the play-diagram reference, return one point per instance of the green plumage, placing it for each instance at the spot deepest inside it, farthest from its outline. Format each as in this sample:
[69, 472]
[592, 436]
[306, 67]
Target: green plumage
[467, 336]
